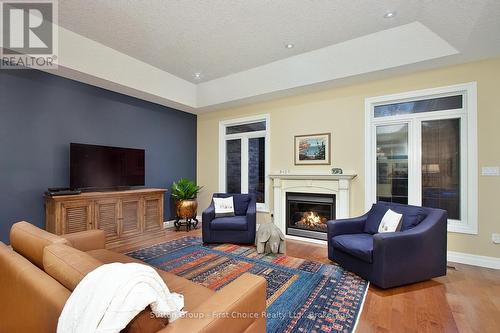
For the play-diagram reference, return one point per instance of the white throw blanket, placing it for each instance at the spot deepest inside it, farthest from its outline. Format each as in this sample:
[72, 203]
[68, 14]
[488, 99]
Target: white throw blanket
[109, 297]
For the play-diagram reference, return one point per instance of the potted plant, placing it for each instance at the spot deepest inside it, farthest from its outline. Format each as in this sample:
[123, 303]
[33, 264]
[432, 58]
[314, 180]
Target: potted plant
[184, 193]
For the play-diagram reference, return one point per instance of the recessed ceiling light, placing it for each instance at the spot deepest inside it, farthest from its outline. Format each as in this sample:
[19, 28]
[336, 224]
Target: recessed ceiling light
[390, 14]
[289, 45]
[197, 76]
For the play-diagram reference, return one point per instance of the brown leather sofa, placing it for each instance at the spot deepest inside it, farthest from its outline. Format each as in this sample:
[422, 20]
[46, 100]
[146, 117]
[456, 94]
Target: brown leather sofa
[40, 271]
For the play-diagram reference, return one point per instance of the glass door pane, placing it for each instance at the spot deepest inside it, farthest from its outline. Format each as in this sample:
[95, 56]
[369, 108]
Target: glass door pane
[233, 166]
[257, 167]
[441, 165]
[392, 163]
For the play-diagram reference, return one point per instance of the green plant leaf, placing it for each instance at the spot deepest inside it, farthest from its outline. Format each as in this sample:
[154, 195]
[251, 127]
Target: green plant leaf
[185, 189]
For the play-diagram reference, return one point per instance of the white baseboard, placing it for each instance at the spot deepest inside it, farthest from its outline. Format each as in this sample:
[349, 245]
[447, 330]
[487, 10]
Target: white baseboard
[168, 224]
[474, 260]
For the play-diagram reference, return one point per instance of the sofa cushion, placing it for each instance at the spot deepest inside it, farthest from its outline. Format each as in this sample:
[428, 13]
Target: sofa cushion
[68, 265]
[412, 215]
[357, 245]
[194, 294]
[87, 240]
[107, 257]
[374, 218]
[31, 300]
[229, 223]
[29, 241]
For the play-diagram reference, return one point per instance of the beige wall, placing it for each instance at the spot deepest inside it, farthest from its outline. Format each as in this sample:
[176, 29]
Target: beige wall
[341, 112]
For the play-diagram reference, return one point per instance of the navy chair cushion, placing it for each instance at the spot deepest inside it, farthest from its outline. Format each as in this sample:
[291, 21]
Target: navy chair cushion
[357, 245]
[411, 220]
[412, 215]
[241, 202]
[229, 223]
[374, 218]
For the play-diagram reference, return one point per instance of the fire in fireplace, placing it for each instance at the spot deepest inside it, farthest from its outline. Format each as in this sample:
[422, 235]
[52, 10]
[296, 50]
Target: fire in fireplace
[312, 220]
[307, 214]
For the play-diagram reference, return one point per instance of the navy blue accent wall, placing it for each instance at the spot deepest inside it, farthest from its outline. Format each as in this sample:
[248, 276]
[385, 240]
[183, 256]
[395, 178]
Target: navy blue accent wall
[40, 114]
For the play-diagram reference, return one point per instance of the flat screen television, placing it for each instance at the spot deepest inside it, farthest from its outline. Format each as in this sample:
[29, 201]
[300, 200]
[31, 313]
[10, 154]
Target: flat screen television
[102, 167]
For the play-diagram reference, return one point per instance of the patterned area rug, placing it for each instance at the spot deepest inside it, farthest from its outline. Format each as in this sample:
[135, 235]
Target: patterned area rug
[302, 295]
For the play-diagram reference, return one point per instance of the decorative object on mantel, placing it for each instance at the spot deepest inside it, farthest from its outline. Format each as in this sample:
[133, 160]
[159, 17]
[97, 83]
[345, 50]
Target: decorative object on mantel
[184, 193]
[337, 171]
[270, 239]
[313, 149]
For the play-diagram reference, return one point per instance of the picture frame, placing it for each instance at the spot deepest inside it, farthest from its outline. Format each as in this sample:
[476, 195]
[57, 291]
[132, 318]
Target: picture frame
[312, 149]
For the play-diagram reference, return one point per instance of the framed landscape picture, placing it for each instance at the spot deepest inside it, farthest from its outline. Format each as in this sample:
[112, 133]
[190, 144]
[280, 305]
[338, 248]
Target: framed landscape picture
[312, 149]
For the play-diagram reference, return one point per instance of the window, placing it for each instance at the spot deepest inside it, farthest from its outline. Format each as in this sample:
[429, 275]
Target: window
[425, 105]
[421, 149]
[244, 157]
[392, 163]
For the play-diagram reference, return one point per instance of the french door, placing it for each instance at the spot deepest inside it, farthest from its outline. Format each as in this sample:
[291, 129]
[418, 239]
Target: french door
[419, 162]
[244, 157]
[419, 153]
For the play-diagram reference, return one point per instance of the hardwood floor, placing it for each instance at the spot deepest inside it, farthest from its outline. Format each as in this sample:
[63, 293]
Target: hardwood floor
[466, 300]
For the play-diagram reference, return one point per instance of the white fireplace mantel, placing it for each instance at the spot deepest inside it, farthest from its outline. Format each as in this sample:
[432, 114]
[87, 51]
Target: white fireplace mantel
[340, 185]
[313, 176]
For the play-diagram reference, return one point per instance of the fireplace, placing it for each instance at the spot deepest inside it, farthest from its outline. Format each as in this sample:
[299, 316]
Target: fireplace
[307, 214]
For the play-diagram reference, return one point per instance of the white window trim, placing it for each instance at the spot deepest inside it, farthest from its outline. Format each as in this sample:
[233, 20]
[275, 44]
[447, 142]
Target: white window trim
[261, 207]
[469, 224]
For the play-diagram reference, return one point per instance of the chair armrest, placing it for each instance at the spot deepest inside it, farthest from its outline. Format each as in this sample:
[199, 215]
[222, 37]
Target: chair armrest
[234, 308]
[87, 240]
[209, 213]
[346, 226]
[252, 213]
[207, 216]
[420, 249]
[252, 218]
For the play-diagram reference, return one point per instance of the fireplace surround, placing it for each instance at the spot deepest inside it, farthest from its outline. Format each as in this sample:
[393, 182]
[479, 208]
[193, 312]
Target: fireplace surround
[337, 186]
[307, 214]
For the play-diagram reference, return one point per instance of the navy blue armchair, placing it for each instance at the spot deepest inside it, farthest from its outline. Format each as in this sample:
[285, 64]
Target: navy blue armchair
[233, 229]
[416, 253]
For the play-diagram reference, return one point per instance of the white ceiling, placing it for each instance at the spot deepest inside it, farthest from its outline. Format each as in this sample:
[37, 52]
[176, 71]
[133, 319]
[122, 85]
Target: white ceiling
[223, 37]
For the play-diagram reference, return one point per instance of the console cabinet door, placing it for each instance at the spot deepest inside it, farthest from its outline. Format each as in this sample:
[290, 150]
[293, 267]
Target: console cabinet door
[76, 216]
[153, 212]
[122, 215]
[107, 215]
[131, 216]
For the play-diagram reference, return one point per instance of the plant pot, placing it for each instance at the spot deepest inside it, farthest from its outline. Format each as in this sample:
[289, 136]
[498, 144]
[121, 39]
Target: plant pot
[186, 209]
